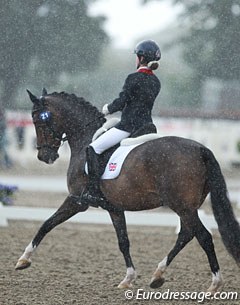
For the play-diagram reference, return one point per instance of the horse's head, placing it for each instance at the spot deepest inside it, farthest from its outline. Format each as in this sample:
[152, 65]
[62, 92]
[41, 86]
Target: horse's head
[48, 127]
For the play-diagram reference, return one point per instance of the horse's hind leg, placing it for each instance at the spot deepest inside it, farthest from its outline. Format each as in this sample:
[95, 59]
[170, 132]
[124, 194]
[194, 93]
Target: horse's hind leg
[205, 240]
[191, 226]
[184, 237]
[69, 208]
[119, 223]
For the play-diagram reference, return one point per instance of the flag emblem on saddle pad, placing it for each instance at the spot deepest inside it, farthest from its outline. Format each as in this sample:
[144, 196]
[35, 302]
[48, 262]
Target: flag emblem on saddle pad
[112, 167]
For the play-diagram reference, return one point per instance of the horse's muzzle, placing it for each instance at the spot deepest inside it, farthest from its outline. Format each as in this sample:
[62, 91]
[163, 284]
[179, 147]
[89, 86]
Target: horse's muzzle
[47, 155]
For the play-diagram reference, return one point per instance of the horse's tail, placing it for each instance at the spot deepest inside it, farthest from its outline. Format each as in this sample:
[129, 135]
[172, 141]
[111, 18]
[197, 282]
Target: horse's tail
[227, 224]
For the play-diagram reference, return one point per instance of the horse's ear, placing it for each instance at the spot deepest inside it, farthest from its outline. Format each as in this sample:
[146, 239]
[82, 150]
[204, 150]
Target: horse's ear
[44, 91]
[33, 98]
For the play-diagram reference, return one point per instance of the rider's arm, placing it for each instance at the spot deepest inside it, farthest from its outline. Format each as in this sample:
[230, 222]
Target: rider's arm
[125, 95]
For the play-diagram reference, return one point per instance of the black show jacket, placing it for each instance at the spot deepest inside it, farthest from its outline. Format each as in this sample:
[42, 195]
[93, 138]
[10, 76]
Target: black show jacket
[136, 100]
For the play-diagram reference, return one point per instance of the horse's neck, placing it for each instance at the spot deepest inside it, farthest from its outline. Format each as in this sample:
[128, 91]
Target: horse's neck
[80, 135]
[81, 124]
[78, 144]
[79, 140]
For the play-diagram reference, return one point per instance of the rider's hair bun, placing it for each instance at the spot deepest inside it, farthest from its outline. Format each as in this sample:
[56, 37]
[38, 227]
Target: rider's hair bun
[153, 65]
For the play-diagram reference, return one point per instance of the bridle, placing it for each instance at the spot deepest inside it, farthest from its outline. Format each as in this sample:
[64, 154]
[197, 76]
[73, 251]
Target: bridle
[48, 123]
[44, 122]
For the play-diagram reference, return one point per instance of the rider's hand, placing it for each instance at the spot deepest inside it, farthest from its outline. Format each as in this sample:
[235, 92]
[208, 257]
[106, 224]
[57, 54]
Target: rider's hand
[105, 109]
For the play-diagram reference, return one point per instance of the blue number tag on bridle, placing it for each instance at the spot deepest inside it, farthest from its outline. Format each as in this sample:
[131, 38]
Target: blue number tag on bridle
[45, 116]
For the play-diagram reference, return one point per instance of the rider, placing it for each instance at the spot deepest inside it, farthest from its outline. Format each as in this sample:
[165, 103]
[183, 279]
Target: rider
[136, 102]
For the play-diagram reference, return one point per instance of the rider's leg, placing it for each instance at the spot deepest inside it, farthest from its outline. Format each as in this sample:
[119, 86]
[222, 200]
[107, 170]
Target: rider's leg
[94, 196]
[109, 139]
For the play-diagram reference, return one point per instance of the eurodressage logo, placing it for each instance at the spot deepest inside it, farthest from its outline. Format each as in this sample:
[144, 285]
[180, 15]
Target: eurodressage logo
[200, 297]
[112, 167]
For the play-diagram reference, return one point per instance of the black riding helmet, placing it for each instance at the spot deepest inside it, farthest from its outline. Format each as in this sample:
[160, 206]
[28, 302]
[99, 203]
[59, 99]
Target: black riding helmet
[149, 50]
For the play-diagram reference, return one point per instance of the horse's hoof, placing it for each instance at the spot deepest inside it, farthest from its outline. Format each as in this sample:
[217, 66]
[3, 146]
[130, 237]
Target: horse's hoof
[217, 284]
[124, 285]
[22, 264]
[157, 282]
[215, 289]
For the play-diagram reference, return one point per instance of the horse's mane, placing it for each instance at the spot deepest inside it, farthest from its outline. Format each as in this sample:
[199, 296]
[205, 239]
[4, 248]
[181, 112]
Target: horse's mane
[74, 100]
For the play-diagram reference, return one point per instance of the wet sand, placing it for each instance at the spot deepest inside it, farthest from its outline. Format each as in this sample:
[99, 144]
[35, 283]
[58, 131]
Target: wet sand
[81, 264]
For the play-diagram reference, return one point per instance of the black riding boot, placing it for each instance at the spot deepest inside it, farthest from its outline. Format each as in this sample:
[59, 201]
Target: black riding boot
[93, 196]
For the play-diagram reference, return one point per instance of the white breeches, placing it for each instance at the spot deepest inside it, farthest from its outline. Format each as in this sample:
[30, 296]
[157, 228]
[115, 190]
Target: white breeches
[109, 139]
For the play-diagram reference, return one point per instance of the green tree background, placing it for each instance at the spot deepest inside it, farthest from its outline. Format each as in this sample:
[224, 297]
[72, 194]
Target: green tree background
[41, 39]
[209, 37]
[56, 44]
[212, 45]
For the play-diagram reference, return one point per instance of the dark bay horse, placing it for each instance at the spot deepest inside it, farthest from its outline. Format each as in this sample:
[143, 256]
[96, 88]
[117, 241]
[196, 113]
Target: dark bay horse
[170, 171]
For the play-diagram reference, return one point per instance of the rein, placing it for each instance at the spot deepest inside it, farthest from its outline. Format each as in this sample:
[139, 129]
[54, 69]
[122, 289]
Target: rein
[56, 137]
[64, 139]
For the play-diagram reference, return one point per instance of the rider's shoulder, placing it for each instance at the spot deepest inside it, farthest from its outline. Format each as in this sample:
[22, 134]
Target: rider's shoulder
[134, 75]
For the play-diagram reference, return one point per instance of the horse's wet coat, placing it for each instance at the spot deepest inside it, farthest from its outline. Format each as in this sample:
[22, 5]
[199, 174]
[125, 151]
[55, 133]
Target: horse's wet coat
[170, 171]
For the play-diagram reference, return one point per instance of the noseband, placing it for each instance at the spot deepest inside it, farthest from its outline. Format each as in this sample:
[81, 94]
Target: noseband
[44, 121]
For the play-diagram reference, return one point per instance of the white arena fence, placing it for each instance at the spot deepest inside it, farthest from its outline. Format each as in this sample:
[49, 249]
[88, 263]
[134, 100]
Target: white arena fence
[93, 216]
[221, 136]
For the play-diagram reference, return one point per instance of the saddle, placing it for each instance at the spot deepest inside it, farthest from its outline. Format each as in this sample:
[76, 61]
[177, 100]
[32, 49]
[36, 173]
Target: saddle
[105, 156]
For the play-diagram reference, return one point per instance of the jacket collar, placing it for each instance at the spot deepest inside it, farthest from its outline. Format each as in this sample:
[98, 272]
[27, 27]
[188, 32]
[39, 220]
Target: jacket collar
[145, 70]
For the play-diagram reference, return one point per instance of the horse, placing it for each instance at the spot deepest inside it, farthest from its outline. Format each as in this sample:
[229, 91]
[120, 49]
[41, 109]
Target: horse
[167, 171]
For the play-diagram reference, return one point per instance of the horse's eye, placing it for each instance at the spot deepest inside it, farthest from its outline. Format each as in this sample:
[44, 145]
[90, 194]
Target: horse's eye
[45, 116]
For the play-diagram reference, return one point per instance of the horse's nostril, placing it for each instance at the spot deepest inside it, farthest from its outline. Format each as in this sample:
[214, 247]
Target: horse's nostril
[47, 155]
[40, 157]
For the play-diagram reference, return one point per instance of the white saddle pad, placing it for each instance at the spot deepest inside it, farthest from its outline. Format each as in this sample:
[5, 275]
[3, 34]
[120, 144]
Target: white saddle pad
[115, 162]
[114, 165]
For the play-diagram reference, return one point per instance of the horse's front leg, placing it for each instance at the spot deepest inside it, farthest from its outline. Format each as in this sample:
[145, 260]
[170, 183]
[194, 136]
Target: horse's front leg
[69, 208]
[119, 223]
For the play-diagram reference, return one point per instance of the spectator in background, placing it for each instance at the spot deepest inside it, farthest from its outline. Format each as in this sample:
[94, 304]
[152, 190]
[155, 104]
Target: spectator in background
[5, 161]
[20, 135]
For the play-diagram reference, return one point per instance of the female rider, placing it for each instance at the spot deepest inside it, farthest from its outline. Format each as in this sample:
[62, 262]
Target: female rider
[136, 102]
